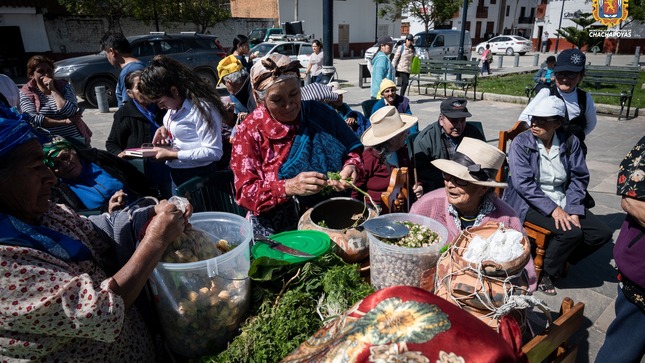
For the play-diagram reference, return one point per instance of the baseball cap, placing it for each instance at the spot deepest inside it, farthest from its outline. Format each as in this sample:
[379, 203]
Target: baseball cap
[409, 37]
[455, 107]
[386, 39]
[227, 66]
[550, 59]
[549, 106]
[570, 60]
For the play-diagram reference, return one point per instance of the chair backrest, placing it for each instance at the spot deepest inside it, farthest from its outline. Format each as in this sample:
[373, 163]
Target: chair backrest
[396, 198]
[213, 194]
[504, 138]
[554, 342]
[479, 126]
[367, 107]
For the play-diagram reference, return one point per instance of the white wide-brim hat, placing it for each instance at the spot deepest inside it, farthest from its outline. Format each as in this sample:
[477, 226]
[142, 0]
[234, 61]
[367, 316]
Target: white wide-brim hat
[335, 87]
[474, 161]
[386, 122]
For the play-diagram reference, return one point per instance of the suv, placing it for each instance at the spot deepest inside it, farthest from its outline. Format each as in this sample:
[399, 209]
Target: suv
[200, 52]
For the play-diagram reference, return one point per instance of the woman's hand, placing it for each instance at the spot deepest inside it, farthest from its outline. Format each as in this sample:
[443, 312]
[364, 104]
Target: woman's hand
[168, 223]
[48, 82]
[564, 220]
[117, 201]
[161, 136]
[348, 172]
[417, 189]
[351, 122]
[305, 183]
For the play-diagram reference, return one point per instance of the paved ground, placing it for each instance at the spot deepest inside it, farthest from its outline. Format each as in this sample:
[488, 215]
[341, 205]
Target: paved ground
[592, 281]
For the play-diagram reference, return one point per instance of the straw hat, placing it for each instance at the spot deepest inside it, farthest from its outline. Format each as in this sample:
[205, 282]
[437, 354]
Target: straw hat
[386, 123]
[474, 161]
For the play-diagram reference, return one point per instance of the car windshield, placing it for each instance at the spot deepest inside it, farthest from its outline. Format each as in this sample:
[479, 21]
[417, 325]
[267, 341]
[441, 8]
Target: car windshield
[257, 33]
[263, 49]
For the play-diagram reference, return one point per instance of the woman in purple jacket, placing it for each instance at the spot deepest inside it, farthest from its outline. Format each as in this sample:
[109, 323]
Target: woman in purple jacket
[547, 186]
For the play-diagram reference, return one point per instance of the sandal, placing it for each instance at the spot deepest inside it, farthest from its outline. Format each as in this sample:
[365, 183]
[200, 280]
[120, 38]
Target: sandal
[546, 286]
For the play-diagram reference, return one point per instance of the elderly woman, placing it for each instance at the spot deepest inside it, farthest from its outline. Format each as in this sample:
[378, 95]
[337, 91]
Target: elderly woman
[385, 141]
[51, 103]
[92, 179]
[285, 147]
[547, 185]
[65, 295]
[387, 96]
[468, 199]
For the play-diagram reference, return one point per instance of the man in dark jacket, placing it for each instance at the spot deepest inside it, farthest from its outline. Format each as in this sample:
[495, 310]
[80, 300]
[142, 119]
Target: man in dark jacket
[440, 140]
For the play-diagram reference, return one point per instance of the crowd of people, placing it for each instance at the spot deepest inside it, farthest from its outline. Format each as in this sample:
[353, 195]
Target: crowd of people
[281, 141]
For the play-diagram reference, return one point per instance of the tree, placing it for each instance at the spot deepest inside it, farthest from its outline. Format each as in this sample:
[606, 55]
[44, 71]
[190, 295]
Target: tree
[112, 9]
[578, 36]
[204, 13]
[430, 12]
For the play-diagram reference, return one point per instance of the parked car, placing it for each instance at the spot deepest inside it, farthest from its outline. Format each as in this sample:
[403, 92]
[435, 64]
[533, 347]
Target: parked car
[200, 52]
[371, 51]
[441, 44]
[259, 35]
[295, 50]
[506, 44]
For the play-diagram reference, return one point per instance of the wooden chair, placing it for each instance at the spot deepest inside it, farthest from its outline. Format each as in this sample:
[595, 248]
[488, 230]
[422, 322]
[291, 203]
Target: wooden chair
[396, 198]
[540, 236]
[553, 344]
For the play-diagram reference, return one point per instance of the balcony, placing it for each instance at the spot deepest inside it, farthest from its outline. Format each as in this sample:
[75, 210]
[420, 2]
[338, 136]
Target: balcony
[482, 12]
[540, 12]
[525, 20]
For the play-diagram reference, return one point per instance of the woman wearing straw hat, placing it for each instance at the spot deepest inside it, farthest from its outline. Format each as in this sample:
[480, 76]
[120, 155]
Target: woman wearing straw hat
[385, 150]
[548, 180]
[387, 96]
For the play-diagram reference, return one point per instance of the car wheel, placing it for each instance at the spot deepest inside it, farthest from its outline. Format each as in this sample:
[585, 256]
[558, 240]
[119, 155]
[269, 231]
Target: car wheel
[509, 51]
[522, 53]
[208, 77]
[480, 51]
[110, 88]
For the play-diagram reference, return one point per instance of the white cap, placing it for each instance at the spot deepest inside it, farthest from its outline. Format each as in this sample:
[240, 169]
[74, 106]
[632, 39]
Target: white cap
[549, 106]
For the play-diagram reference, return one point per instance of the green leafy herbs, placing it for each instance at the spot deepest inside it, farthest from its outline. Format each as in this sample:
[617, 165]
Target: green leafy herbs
[418, 236]
[290, 307]
[336, 176]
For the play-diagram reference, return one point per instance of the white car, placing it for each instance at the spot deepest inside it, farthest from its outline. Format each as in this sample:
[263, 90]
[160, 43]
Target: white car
[506, 44]
[295, 50]
[371, 51]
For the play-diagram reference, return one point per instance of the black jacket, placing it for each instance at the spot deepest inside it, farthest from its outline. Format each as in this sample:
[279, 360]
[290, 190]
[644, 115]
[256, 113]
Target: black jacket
[130, 129]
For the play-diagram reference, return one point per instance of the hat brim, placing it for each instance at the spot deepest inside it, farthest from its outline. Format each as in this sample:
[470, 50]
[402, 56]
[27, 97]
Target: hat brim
[461, 172]
[457, 114]
[567, 68]
[368, 138]
[339, 91]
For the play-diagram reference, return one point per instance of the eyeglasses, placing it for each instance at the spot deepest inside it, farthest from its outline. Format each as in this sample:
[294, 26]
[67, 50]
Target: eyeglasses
[570, 75]
[453, 179]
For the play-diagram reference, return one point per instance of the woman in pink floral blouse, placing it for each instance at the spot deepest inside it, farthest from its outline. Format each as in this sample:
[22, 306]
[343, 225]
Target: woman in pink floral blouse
[69, 283]
[285, 147]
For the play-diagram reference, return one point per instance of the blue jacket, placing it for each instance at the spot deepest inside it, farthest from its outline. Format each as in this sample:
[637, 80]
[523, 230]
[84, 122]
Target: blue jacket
[381, 68]
[524, 174]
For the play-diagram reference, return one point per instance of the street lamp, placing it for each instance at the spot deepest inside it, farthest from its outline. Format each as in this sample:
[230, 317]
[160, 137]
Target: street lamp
[376, 22]
[557, 40]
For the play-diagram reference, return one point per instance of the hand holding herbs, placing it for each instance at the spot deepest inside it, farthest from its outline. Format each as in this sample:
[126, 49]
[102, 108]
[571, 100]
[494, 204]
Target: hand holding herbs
[337, 177]
[305, 183]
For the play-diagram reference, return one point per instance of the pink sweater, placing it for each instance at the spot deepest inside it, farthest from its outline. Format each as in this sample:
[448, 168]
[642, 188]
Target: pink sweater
[435, 205]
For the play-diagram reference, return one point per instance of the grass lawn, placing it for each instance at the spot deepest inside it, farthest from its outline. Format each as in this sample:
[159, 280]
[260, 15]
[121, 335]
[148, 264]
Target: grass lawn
[514, 84]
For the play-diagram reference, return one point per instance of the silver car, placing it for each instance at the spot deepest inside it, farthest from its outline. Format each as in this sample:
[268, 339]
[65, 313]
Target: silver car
[200, 52]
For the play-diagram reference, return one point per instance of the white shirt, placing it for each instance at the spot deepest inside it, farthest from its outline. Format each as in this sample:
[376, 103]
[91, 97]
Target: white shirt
[573, 108]
[553, 177]
[199, 144]
[316, 61]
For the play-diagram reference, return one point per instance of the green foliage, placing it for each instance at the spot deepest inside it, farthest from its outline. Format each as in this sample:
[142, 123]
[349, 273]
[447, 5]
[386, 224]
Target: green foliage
[286, 307]
[202, 13]
[430, 12]
[112, 9]
[579, 34]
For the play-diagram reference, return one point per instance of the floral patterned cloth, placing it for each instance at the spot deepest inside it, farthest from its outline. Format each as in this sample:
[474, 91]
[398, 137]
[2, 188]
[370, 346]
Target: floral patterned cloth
[631, 174]
[408, 324]
[52, 310]
[260, 147]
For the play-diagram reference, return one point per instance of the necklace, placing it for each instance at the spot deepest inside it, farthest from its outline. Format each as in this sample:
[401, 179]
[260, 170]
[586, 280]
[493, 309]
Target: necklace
[467, 218]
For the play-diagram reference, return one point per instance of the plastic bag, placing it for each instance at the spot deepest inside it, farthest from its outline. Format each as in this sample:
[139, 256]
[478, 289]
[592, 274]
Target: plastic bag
[415, 66]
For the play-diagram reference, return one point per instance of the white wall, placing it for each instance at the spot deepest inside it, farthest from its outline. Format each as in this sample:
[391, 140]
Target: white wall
[359, 14]
[32, 27]
[554, 11]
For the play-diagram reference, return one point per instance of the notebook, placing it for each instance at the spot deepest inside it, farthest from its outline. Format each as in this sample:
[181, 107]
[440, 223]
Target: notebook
[139, 152]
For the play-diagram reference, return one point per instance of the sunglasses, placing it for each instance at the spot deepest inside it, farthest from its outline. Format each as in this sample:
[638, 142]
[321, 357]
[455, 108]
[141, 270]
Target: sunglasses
[570, 75]
[542, 121]
[453, 179]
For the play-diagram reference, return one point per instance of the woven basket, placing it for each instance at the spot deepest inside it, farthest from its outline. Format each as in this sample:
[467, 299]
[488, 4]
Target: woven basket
[480, 289]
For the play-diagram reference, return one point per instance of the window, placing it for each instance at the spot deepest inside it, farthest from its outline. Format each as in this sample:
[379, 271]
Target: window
[171, 46]
[143, 49]
[493, 2]
[286, 49]
[438, 41]
[508, 9]
[306, 49]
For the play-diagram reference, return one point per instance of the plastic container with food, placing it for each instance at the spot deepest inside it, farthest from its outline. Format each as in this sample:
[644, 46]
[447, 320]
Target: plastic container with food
[392, 265]
[202, 304]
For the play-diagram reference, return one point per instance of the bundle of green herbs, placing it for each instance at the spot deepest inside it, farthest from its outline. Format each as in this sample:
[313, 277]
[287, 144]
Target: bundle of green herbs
[418, 236]
[290, 303]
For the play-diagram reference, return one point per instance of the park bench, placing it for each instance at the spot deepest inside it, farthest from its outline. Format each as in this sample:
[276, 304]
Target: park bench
[622, 79]
[435, 73]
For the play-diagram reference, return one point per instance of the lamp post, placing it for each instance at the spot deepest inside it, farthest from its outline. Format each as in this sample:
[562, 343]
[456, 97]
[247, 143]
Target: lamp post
[460, 50]
[557, 40]
[376, 23]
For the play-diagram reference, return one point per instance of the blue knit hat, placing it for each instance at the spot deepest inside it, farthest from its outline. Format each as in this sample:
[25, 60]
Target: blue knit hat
[14, 130]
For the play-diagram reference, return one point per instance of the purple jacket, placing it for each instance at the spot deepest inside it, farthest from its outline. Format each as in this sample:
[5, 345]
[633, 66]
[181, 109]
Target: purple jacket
[524, 174]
